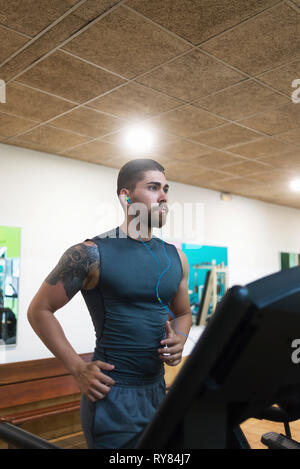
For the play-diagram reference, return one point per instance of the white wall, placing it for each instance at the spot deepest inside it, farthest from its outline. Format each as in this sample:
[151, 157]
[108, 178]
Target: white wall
[58, 202]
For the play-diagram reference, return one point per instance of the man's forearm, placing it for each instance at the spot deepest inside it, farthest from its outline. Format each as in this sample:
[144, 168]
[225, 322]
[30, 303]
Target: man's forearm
[182, 325]
[49, 330]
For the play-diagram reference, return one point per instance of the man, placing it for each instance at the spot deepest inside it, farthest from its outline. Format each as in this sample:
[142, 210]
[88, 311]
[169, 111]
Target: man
[128, 281]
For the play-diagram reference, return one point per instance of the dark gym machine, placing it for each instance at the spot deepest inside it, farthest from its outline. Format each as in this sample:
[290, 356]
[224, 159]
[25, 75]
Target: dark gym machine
[240, 368]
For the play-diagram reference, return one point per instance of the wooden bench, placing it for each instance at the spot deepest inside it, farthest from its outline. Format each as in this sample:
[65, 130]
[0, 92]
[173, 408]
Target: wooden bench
[42, 397]
[35, 389]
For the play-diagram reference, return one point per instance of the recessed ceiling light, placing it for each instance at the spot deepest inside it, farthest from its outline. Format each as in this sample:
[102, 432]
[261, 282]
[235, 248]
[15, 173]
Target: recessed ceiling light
[139, 139]
[295, 185]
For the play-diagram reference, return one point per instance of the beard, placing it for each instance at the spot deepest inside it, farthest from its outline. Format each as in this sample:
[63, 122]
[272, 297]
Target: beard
[147, 218]
[156, 218]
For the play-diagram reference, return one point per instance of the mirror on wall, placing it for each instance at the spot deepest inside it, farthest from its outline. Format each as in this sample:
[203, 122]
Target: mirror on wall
[9, 284]
[289, 259]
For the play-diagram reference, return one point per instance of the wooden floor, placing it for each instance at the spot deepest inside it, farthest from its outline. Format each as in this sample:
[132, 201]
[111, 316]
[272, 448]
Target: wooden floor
[252, 428]
[73, 441]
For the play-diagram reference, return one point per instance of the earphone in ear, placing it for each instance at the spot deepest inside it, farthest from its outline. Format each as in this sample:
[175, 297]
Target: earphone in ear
[128, 199]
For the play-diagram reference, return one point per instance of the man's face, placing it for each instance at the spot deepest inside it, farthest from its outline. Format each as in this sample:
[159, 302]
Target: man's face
[152, 191]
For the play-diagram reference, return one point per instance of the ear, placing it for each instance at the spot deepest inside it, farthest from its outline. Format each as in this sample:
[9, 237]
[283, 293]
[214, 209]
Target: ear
[123, 197]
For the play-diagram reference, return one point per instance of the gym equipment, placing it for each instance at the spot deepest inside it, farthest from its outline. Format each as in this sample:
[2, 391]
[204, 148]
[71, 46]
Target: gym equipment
[285, 413]
[22, 439]
[216, 284]
[241, 365]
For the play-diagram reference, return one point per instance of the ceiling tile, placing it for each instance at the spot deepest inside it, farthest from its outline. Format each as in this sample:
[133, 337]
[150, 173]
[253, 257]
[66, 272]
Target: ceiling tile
[183, 150]
[275, 121]
[36, 146]
[32, 104]
[270, 39]
[275, 176]
[218, 159]
[179, 171]
[118, 162]
[69, 77]
[91, 9]
[287, 201]
[246, 168]
[198, 21]
[207, 176]
[282, 77]
[241, 100]
[52, 38]
[186, 121]
[226, 136]
[292, 136]
[290, 161]
[236, 185]
[262, 148]
[32, 16]
[47, 42]
[51, 139]
[130, 45]
[11, 125]
[181, 77]
[95, 152]
[134, 102]
[88, 122]
[10, 42]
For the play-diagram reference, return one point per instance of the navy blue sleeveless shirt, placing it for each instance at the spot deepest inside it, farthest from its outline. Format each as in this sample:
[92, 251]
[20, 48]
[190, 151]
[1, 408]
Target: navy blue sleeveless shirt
[128, 318]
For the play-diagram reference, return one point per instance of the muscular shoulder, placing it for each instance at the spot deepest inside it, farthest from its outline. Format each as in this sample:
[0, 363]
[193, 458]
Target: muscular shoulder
[78, 268]
[184, 263]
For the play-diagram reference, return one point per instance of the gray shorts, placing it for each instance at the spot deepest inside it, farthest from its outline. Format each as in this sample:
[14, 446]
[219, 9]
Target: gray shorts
[117, 421]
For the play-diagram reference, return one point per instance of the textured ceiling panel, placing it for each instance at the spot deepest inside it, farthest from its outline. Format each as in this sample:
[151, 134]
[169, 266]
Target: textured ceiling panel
[33, 104]
[126, 44]
[200, 20]
[264, 42]
[275, 121]
[186, 121]
[134, 102]
[281, 78]
[54, 140]
[69, 77]
[262, 148]
[10, 43]
[11, 125]
[31, 16]
[226, 136]
[88, 122]
[191, 76]
[211, 80]
[241, 100]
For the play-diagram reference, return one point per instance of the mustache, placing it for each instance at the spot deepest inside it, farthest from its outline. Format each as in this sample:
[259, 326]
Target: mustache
[162, 206]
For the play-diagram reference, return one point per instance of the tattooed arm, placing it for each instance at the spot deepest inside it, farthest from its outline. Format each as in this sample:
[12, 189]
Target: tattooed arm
[77, 269]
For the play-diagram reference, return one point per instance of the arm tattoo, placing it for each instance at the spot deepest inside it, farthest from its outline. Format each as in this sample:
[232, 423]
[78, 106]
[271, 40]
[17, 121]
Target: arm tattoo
[73, 268]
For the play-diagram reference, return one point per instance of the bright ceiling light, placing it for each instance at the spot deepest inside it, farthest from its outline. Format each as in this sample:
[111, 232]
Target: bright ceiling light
[295, 185]
[139, 139]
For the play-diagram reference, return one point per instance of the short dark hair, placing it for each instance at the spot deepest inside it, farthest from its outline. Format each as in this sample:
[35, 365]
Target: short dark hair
[133, 172]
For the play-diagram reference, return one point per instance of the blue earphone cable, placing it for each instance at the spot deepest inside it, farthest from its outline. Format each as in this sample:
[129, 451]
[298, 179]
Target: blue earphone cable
[159, 279]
